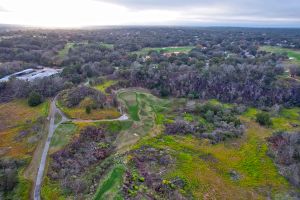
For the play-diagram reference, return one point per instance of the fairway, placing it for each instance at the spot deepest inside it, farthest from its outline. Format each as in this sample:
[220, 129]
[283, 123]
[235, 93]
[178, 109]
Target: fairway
[144, 109]
[291, 53]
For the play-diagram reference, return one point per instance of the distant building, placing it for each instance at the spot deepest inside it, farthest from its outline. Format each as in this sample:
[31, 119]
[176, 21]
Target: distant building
[32, 74]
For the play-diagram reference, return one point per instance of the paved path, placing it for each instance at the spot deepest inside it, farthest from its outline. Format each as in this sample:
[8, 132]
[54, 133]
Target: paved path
[52, 127]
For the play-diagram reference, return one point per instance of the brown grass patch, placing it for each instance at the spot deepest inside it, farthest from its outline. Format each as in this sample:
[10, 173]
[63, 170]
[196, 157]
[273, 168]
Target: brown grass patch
[17, 113]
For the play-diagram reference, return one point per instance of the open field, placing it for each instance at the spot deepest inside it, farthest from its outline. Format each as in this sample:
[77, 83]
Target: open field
[183, 49]
[62, 53]
[291, 53]
[18, 113]
[287, 119]
[17, 118]
[108, 46]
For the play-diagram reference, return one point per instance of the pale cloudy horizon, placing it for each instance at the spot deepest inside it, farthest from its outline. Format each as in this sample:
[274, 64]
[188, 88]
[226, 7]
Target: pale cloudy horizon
[81, 13]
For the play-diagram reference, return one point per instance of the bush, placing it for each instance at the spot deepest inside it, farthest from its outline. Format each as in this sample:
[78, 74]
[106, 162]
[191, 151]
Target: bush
[88, 110]
[264, 119]
[34, 99]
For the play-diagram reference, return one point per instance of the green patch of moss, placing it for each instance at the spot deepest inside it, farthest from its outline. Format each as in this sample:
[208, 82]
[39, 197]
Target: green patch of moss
[102, 87]
[251, 113]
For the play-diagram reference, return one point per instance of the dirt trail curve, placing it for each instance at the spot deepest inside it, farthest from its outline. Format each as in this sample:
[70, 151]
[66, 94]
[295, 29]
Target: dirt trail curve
[52, 127]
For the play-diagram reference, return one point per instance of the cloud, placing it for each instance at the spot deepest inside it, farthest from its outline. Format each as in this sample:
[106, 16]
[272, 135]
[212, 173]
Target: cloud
[150, 12]
[260, 11]
[2, 9]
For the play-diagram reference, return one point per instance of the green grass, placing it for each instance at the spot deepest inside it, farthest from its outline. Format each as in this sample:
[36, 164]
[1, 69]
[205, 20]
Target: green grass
[62, 136]
[51, 190]
[64, 52]
[110, 186]
[286, 118]
[133, 112]
[106, 45]
[102, 87]
[183, 49]
[282, 121]
[145, 110]
[251, 113]
[22, 190]
[58, 118]
[292, 53]
[79, 112]
[116, 126]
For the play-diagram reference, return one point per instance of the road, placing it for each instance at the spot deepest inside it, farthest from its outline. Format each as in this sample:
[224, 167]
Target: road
[52, 127]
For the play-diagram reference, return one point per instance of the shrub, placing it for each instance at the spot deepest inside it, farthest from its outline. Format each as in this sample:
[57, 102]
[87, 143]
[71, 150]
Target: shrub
[88, 110]
[34, 99]
[264, 119]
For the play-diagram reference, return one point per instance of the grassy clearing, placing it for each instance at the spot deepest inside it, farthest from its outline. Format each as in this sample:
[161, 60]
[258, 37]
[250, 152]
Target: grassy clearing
[251, 113]
[102, 87]
[64, 52]
[286, 119]
[79, 112]
[62, 136]
[283, 121]
[18, 113]
[110, 186]
[17, 118]
[106, 45]
[292, 53]
[183, 49]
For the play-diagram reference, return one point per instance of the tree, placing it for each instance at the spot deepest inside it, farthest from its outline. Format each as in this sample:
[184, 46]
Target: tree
[264, 119]
[34, 99]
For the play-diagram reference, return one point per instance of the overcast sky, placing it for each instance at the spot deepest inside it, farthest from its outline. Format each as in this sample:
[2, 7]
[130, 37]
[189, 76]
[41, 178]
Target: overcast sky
[77, 13]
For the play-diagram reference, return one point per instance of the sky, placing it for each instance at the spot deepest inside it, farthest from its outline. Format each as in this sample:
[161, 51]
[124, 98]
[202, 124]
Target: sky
[81, 13]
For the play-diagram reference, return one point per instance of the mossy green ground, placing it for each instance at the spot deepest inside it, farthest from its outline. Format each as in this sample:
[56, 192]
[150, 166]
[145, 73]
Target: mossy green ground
[183, 49]
[284, 120]
[102, 87]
